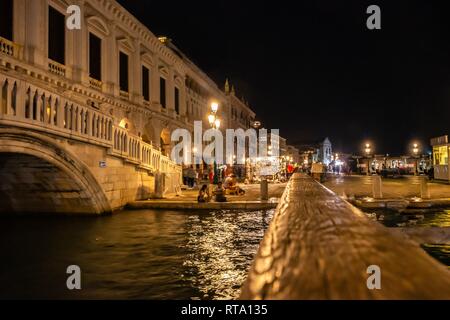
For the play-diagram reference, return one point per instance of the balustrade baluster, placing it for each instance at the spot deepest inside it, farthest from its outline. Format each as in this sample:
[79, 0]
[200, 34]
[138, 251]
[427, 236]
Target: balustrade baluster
[79, 113]
[6, 97]
[21, 100]
[38, 97]
[60, 113]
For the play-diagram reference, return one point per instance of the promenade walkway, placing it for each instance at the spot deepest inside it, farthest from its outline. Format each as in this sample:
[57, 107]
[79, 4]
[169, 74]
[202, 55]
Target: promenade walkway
[187, 200]
[399, 188]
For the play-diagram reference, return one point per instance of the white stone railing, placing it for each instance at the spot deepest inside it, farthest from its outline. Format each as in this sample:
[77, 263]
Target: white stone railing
[56, 68]
[30, 107]
[9, 48]
[133, 149]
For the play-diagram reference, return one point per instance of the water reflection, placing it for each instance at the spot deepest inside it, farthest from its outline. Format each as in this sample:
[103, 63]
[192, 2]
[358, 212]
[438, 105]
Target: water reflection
[131, 255]
[220, 248]
[418, 218]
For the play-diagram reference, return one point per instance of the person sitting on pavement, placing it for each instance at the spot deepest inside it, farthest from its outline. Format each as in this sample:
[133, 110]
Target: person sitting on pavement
[219, 193]
[231, 186]
[203, 194]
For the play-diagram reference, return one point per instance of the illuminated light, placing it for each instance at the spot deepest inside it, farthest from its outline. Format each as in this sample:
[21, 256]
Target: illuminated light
[217, 123]
[214, 107]
[211, 119]
[194, 150]
[123, 124]
[163, 39]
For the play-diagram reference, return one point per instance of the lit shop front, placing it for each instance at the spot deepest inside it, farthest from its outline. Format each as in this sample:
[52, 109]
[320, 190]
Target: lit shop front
[440, 157]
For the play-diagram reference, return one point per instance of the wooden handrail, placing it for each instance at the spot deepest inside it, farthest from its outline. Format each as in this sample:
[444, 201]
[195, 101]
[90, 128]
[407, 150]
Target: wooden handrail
[319, 246]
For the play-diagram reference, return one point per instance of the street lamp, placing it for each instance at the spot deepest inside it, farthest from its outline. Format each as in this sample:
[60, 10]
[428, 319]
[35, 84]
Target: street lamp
[415, 151]
[217, 123]
[368, 151]
[214, 107]
[214, 122]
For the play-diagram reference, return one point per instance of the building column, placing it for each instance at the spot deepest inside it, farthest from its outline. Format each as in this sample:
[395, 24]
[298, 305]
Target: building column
[111, 61]
[77, 50]
[154, 81]
[19, 27]
[135, 74]
[36, 33]
[170, 92]
[183, 102]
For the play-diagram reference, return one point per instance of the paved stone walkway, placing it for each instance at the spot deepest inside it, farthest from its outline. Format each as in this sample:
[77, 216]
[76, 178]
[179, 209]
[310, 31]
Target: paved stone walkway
[187, 200]
[252, 193]
[403, 187]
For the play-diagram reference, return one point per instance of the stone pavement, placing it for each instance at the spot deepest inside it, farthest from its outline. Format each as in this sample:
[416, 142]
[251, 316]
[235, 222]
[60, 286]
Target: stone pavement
[399, 188]
[187, 200]
[252, 193]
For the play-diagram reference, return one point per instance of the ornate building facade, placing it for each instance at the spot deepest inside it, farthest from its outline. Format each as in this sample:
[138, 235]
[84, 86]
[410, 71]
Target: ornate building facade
[107, 95]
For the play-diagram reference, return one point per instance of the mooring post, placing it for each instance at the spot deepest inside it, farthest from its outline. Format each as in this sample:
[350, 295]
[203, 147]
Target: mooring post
[377, 187]
[160, 185]
[424, 191]
[264, 190]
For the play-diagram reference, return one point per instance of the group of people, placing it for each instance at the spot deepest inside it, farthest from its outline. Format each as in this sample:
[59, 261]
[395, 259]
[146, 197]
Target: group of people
[218, 193]
[229, 187]
[190, 176]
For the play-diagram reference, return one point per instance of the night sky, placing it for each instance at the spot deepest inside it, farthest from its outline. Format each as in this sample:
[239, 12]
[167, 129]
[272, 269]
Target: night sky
[313, 69]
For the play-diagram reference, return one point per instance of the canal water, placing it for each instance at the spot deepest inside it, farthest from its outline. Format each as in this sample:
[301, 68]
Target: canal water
[130, 255]
[418, 219]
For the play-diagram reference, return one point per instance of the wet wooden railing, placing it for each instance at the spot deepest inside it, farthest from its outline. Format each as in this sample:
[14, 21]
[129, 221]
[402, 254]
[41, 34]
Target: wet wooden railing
[319, 246]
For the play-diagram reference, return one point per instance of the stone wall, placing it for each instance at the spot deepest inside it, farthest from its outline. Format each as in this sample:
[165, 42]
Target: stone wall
[122, 182]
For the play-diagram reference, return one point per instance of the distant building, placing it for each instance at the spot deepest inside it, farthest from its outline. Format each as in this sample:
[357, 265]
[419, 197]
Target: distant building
[319, 151]
[440, 157]
[325, 151]
[294, 154]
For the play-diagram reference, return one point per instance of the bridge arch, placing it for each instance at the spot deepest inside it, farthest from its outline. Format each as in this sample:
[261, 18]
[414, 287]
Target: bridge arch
[37, 175]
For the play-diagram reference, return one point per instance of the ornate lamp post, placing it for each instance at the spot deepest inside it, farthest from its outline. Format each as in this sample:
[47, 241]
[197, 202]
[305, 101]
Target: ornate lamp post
[214, 122]
[415, 151]
[368, 151]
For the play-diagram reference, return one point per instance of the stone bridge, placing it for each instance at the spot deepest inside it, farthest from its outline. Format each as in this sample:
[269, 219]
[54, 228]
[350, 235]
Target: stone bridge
[59, 156]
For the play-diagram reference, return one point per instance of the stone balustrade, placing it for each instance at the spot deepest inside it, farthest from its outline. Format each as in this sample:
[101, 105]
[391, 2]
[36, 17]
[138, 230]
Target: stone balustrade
[9, 48]
[319, 246]
[56, 68]
[28, 106]
[96, 84]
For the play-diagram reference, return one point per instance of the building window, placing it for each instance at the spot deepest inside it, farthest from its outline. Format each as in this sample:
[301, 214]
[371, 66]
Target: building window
[146, 83]
[177, 100]
[6, 22]
[162, 92]
[123, 73]
[56, 35]
[95, 57]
